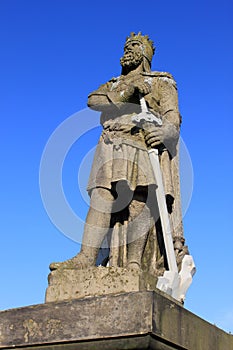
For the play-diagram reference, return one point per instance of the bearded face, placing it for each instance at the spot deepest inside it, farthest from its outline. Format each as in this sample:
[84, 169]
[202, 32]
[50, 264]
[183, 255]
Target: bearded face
[132, 56]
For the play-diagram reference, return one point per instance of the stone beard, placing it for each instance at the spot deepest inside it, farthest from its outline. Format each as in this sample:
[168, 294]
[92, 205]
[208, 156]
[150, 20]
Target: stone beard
[131, 59]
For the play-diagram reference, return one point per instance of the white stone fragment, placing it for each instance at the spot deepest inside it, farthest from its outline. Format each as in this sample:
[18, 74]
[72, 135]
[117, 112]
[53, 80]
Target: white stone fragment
[177, 284]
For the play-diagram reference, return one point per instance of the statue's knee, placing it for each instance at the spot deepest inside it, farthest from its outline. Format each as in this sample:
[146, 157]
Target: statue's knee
[101, 200]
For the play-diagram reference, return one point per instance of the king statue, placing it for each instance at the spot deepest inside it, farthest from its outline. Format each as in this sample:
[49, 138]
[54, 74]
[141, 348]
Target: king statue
[124, 209]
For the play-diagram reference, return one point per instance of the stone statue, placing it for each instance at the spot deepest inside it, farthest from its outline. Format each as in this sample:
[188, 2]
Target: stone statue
[123, 206]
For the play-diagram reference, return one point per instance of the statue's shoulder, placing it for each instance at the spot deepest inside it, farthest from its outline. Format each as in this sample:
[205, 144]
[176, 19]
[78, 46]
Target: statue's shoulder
[164, 76]
[108, 84]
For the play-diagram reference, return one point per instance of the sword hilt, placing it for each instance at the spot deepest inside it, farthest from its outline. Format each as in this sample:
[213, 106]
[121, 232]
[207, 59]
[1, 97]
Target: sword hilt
[145, 115]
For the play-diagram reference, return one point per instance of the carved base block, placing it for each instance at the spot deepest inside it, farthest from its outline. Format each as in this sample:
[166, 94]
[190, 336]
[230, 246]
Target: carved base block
[66, 284]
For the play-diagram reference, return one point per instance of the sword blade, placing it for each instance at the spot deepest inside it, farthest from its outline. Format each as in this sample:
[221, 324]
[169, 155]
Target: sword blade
[164, 217]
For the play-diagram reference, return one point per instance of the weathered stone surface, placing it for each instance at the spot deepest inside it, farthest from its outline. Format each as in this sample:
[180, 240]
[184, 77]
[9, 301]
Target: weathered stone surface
[77, 320]
[138, 320]
[65, 284]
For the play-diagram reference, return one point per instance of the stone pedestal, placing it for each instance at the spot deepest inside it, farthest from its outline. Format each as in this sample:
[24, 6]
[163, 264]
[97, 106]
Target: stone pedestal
[66, 284]
[136, 320]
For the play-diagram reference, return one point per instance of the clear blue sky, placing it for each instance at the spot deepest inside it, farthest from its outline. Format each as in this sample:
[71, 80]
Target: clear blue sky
[53, 53]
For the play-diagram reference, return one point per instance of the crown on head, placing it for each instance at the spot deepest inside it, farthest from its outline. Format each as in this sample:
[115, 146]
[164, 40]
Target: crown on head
[147, 44]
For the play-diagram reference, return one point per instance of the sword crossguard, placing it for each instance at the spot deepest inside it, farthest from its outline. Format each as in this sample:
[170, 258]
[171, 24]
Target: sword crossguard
[145, 115]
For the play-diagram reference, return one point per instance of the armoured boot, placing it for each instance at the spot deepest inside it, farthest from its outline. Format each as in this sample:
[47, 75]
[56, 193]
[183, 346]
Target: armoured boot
[86, 258]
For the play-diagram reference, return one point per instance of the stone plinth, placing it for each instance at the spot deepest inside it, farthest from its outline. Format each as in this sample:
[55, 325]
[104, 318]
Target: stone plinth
[66, 284]
[136, 320]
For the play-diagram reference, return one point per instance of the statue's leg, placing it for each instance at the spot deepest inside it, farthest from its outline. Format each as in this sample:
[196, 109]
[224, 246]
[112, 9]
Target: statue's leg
[139, 226]
[96, 227]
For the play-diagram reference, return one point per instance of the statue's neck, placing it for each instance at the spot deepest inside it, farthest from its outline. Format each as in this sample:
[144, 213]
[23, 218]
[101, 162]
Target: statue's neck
[131, 71]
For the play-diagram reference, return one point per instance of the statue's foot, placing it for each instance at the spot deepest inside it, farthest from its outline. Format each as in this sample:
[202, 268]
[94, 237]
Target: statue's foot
[80, 261]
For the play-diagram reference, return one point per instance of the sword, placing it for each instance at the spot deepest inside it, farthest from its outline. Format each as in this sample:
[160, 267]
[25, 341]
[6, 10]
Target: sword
[172, 282]
[146, 116]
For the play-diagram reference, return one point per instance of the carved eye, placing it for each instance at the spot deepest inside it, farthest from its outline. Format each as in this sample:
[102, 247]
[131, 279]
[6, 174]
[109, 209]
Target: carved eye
[131, 45]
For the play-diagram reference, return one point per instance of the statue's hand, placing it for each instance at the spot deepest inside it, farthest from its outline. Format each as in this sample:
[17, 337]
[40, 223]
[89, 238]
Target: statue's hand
[143, 88]
[134, 89]
[154, 137]
[128, 91]
[166, 134]
[133, 86]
